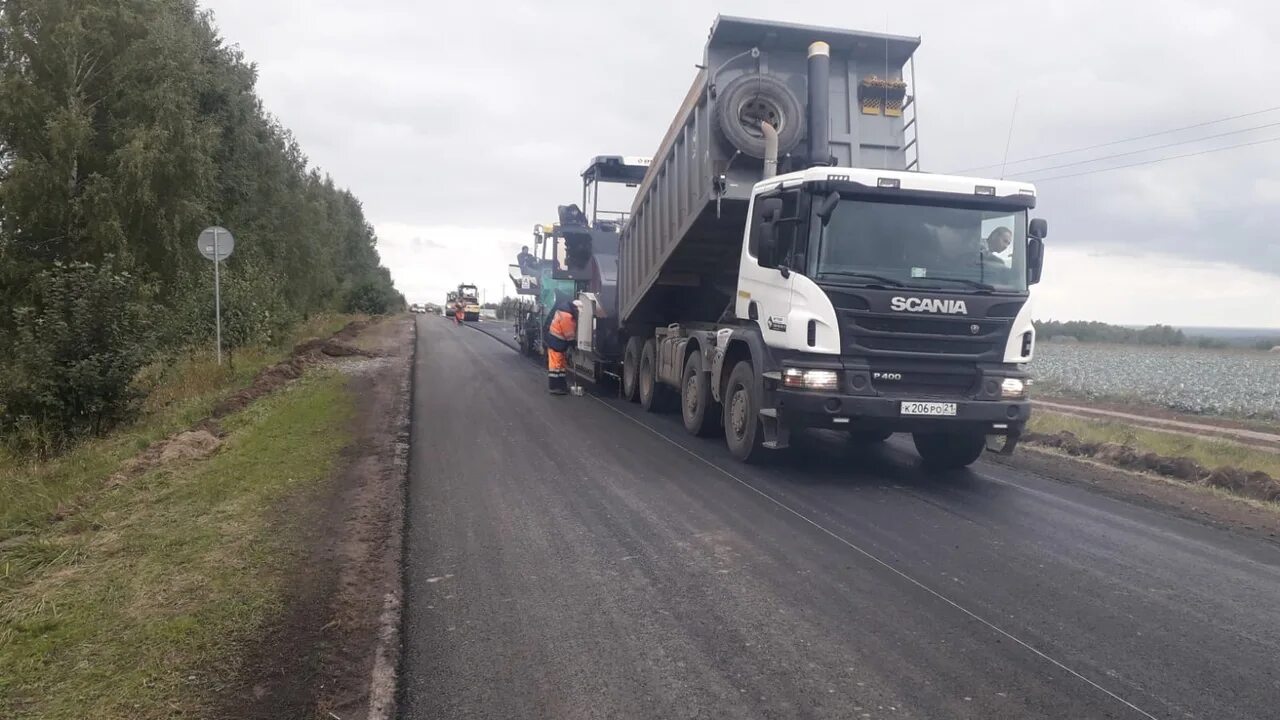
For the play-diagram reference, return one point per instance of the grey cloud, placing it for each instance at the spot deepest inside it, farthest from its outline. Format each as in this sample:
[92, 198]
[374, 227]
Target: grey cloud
[485, 113]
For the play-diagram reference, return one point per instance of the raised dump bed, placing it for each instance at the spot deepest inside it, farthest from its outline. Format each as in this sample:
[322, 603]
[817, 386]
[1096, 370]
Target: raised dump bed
[680, 247]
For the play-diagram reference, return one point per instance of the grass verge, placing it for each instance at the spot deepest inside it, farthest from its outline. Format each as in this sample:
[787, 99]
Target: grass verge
[1209, 452]
[180, 392]
[139, 603]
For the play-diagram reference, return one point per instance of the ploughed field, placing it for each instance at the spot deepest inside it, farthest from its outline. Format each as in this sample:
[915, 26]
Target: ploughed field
[1241, 383]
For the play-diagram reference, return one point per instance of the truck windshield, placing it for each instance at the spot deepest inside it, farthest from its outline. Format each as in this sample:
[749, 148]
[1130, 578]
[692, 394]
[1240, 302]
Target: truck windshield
[925, 246]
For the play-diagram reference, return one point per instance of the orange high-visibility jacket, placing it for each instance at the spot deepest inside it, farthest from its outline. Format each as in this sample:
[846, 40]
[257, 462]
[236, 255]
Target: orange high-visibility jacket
[562, 331]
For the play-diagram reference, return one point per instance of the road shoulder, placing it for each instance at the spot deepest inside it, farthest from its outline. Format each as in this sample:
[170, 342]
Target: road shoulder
[1201, 504]
[333, 650]
[361, 657]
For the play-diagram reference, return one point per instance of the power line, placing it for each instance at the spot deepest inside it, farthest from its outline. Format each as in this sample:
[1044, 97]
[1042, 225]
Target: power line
[1157, 160]
[1157, 147]
[1009, 140]
[1120, 142]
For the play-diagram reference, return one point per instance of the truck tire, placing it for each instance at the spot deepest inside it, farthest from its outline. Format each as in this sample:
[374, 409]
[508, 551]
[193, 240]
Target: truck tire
[949, 451]
[746, 100]
[742, 430]
[697, 407]
[631, 370]
[652, 394]
[869, 437]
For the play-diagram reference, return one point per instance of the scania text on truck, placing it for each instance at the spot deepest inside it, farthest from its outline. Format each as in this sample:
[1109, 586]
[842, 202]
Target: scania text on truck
[850, 292]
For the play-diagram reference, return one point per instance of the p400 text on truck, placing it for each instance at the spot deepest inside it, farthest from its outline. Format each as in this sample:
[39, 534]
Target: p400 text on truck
[849, 292]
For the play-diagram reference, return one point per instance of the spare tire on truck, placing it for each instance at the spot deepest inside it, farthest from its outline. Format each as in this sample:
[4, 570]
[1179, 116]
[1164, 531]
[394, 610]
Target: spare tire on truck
[747, 100]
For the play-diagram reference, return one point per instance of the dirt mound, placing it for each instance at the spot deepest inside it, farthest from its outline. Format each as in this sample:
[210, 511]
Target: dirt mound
[353, 328]
[1256, 484]
[304, 353]
[190, 445]
[203, 439]
[329, 348]
[268, 379]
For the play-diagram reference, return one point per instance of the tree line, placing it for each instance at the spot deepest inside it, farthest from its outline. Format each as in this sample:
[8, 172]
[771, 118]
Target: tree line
[126, 127]
[1158, 335]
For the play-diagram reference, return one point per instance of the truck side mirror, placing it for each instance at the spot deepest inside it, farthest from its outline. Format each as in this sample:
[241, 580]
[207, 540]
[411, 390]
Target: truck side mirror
[1035, 259]
[827, 207]
[1039, 228]
[767, 249]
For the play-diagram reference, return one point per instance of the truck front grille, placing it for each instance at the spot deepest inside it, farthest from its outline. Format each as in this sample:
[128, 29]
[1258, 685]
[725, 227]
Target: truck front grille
[883, 335]
[926, 345]
[898, 381]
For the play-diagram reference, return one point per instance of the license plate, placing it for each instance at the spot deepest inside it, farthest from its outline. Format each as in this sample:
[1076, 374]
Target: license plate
[928, 408]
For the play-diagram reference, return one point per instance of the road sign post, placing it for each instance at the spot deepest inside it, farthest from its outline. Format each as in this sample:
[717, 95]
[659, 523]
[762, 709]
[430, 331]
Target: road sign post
[216, 244]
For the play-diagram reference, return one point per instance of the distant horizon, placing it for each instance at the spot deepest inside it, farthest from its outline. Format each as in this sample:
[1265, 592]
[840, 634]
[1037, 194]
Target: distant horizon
[1138, 326]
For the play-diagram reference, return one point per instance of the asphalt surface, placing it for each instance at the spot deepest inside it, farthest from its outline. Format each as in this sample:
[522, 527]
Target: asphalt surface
[574, 557]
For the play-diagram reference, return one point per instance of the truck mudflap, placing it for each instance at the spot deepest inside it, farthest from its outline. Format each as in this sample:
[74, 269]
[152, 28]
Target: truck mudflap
[851, 412]
[777, 433]
[1010, 442]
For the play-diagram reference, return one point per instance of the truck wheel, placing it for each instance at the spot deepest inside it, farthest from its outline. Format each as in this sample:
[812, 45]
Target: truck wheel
[868, 437]
[651, 391]
[631, 370]
[748, 99]
[696, 403]
[949, 451]
[742, 431]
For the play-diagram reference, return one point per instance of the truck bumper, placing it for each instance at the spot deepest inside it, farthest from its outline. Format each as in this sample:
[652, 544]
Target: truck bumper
[855, 412]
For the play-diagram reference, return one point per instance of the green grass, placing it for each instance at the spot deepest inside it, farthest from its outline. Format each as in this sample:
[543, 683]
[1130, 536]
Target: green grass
[1209, 452]
[138, 604]
[180, 392]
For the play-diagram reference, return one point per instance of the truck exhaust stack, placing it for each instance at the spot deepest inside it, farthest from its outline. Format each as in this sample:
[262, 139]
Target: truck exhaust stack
[770, 150]
[819, 99]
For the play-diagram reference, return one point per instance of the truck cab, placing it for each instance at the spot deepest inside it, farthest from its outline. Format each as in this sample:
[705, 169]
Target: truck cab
[891, 301]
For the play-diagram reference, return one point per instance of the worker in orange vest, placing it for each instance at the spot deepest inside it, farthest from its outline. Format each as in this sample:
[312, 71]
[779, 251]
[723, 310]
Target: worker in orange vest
[558, 337]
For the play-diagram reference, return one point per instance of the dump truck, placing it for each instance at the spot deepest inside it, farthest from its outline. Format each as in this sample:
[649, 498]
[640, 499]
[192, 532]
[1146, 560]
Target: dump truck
[787, 265]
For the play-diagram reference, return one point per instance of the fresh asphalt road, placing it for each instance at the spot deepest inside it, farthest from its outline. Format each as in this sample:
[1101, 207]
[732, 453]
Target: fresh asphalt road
[574, 557]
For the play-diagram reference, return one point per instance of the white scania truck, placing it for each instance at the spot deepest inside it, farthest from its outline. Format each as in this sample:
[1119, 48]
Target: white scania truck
[786, 265]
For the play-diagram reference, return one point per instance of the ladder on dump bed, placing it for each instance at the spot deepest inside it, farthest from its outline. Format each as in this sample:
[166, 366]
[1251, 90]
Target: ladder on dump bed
[910, 128]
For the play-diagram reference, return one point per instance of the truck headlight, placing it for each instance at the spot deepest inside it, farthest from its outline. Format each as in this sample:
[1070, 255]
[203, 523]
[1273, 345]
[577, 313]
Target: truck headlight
[799, 379]
[1013, 389]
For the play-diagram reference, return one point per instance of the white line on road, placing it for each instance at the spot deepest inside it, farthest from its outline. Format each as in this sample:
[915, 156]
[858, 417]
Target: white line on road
[856, 548]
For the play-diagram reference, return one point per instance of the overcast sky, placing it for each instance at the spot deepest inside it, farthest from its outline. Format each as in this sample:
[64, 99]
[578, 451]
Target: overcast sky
[461, 124]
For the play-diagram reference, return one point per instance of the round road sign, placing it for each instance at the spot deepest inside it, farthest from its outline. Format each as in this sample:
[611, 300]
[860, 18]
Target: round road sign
[218, 237]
